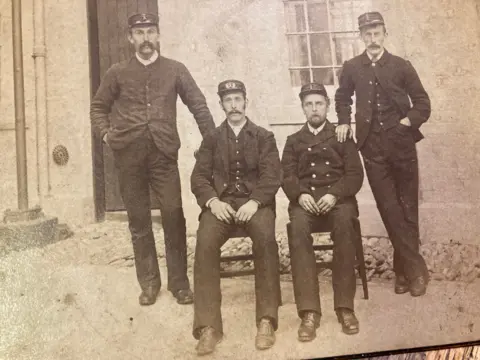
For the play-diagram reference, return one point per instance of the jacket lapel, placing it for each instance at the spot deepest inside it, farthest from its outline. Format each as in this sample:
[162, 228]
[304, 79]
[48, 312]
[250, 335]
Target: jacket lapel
[250, 144]
[222, 145]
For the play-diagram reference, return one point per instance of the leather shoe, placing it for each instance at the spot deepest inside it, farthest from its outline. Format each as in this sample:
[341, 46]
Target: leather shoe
[401, 284]
[148, 296]
[418, 286]
[184, 297]
[349, 321]
[265, 335]
[209, 338]
[309, 325]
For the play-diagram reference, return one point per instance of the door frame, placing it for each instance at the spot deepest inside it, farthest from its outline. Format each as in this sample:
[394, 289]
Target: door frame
[97, 147]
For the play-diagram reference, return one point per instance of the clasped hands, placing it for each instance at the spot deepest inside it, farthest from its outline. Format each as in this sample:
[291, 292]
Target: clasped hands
[224, 212]
[321, 207]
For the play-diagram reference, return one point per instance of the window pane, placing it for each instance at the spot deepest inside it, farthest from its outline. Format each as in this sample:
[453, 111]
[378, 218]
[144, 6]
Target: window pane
[299, 77]
[344, 13]
[323, 76]
[317, 16]
[320, 48]
[347, 46]
[297, 48]
[295, 17]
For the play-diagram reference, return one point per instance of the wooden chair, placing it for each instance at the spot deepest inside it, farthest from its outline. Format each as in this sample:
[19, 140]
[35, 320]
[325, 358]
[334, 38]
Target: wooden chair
[239, 232]
[321, 228]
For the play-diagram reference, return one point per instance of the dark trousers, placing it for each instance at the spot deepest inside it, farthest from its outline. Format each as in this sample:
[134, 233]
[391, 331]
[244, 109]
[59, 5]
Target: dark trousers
[343, 220]
[139, 165]
[212, 234]
[391, 166]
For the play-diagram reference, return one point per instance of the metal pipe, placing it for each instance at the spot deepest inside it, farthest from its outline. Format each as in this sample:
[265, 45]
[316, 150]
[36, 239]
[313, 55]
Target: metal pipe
[20, 133]
[39, 54]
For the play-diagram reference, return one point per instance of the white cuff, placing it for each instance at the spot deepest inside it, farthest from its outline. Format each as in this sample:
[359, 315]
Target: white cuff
[209, 201]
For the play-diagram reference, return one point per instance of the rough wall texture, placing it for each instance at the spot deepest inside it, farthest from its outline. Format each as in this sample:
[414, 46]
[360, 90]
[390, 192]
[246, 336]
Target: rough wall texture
[245, 39]
[68, 189]
[8, 174]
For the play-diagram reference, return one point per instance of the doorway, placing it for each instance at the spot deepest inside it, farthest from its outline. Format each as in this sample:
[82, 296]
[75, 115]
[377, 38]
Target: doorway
[107, 20]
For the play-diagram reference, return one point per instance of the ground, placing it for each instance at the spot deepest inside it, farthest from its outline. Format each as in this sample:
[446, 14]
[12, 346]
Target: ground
[78, 299]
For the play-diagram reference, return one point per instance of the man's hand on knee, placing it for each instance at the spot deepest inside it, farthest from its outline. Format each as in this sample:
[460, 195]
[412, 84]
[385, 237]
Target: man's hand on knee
[222, 211]
[307, 202]
[326, 203]
[246, 212]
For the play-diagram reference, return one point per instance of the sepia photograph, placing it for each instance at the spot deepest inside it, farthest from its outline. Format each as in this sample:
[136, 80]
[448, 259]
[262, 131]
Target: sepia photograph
[241, 179]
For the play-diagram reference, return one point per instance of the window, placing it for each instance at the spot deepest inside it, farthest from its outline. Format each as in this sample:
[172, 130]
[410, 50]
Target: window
[321, 35]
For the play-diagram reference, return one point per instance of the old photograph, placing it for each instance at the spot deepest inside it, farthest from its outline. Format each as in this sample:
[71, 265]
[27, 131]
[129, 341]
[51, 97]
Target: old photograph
[241, 179]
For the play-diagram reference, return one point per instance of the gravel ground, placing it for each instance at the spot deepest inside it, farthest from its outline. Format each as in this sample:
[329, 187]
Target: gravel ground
[78, 299]
[108, 243]
[449, 262]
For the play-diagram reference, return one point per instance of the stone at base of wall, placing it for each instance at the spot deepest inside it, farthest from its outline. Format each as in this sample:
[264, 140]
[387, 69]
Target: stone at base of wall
[21, 235]
[70, 209]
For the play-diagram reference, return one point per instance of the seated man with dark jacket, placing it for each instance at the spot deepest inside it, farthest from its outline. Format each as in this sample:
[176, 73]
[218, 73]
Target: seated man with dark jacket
[321, 179]
[235, 179]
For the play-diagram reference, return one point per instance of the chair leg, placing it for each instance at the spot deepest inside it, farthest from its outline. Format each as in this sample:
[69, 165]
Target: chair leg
[361, 264]
[363, 274]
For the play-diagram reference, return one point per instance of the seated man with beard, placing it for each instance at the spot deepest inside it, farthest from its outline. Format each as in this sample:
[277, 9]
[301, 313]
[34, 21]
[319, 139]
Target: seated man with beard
[321, 179]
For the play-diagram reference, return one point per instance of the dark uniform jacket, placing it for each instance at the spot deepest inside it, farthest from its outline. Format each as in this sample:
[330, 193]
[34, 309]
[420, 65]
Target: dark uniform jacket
[134, 98]
[263, 173]
[319, 165]
[398, 79]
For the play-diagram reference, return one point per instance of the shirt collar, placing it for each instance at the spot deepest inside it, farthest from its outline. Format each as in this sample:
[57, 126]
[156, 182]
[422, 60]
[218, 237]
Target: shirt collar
[237, 128]
[378, 57]
[148, 61]
[317, 130]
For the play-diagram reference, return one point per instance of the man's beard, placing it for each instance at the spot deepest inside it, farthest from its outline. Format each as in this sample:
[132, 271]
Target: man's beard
[316, 121]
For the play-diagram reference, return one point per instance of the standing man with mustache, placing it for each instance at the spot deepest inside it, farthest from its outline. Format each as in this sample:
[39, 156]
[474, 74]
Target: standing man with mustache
[387, 129]
[134, 112]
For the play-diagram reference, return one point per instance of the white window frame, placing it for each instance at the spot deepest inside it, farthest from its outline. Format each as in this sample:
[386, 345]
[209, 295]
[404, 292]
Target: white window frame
[331, 89]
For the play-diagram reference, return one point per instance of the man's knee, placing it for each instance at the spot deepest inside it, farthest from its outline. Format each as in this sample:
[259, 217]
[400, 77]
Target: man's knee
[300, 222]
[209, 234]
[345, 219]
[262, 226]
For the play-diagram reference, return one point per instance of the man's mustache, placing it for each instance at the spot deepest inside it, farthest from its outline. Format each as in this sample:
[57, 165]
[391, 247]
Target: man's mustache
[145, 44]
[374, 46]
[234, 112]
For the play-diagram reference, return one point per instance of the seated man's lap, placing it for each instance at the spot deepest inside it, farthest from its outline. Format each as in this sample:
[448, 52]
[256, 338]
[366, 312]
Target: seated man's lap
[343, 211]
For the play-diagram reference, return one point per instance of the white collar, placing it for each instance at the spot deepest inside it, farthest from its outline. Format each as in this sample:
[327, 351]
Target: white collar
[148, 61]
[317, 130]
[378, 57]
[237, 128]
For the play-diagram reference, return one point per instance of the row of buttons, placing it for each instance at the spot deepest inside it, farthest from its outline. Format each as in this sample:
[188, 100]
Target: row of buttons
[310, 149]
[313, 187]
[326, 163]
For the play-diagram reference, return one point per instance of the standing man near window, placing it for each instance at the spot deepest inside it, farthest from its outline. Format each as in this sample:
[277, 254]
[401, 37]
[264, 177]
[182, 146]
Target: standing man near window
[134, 112]
[235, 179]
[387, 129]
